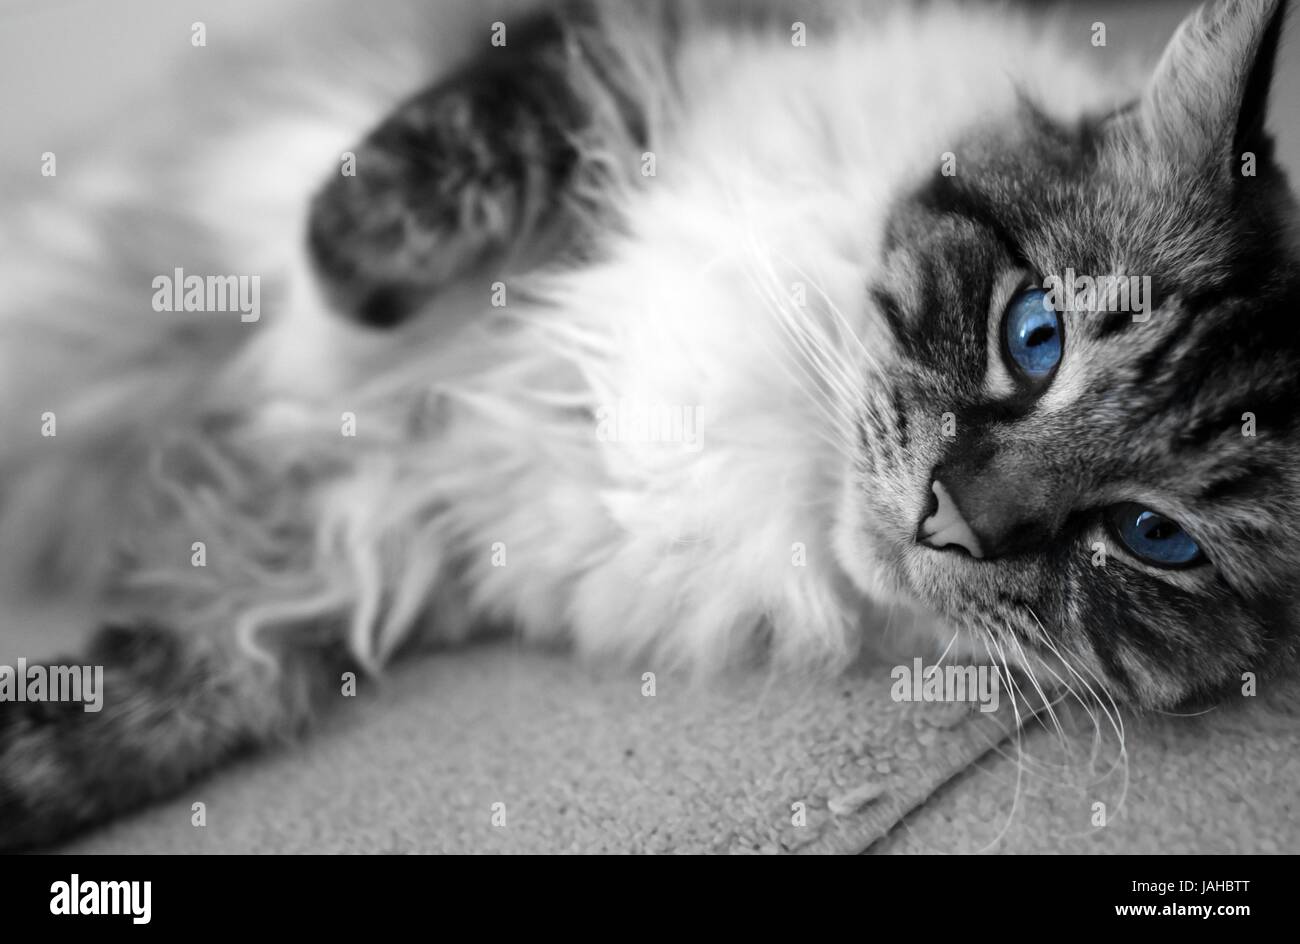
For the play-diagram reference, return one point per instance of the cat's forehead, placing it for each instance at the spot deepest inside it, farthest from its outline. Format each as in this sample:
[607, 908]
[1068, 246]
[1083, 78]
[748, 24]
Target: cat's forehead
[1182, 303]
[1096, 197]
[1161, 262]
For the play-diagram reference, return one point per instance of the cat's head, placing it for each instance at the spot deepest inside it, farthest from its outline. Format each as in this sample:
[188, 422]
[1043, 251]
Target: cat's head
[1121, 487]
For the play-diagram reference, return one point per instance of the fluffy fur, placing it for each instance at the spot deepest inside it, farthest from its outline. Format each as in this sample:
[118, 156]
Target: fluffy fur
[773, 274]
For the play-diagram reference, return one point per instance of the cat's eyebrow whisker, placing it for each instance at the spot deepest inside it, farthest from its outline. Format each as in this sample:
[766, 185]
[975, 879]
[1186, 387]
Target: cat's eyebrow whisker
[844, 419]
[815, 353]
[840, 442]
[818, 350]
[835, 411]
[810, 334]
[761, 280]
[843, 326]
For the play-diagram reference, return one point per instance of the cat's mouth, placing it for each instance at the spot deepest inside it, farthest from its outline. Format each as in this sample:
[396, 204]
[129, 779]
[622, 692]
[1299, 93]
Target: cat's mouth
[894, 569]
[926, 560]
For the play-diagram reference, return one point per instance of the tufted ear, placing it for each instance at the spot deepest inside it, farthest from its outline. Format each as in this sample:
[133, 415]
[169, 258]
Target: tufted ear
[1208, 97]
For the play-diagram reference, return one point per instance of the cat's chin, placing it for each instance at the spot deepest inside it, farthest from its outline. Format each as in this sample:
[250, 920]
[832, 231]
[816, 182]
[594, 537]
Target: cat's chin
[915, 627]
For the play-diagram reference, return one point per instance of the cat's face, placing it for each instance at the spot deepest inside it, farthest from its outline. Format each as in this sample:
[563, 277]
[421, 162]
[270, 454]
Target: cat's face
[1117, 488]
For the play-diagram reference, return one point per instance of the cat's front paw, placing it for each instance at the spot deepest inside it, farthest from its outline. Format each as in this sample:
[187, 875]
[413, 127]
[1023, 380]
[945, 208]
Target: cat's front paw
[476, 172]
[94, 737]
[41, 795]
[446, 184]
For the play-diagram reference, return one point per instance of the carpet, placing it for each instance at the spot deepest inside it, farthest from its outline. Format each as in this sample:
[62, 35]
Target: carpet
[1224, 782]
[582, 761]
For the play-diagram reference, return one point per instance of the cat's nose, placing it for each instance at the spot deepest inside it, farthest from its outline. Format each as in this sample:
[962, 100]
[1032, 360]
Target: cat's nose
[989, 512]
[945, 526]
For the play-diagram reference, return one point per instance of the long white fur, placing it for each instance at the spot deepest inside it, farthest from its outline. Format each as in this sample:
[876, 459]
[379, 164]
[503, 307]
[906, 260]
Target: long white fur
[476, 427]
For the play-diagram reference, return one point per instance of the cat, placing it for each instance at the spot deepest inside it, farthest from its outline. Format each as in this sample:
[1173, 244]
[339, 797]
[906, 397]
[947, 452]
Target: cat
[683, 334]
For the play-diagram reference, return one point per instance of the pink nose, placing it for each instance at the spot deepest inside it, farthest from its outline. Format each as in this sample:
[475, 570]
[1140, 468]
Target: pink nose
[946, 527]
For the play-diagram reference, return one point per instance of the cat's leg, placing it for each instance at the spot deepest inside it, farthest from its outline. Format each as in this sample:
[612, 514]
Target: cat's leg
[515, 151]
[509, 160]
[173, 707]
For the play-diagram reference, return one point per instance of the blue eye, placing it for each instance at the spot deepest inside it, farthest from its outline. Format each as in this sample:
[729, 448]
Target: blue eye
[1033, 333]
[1152, 537]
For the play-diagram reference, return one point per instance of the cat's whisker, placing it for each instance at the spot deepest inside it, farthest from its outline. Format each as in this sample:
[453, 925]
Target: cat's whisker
[1020, 768]
[839, 417]
[843, 326]
[793, 327]
[818, 350]
[1033, 680]
[1067, 690]
[1112, 713]
[831, 433]
[1014, 689]
[821, 361]
[814, 355]
[1087, 704]
[1121, 759]
[1023, 759]
[948, 648]
[805, 330]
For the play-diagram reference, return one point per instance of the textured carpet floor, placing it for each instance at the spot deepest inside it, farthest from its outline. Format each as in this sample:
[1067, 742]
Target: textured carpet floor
[587, 763]
[1226, 782]
[584, 762]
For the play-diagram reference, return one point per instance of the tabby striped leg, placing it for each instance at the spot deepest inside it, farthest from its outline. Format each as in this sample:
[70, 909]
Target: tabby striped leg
[174, 707]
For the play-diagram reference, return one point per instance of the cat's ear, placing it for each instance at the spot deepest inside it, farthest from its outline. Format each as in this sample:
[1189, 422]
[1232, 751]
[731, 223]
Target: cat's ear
[1207, 99]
